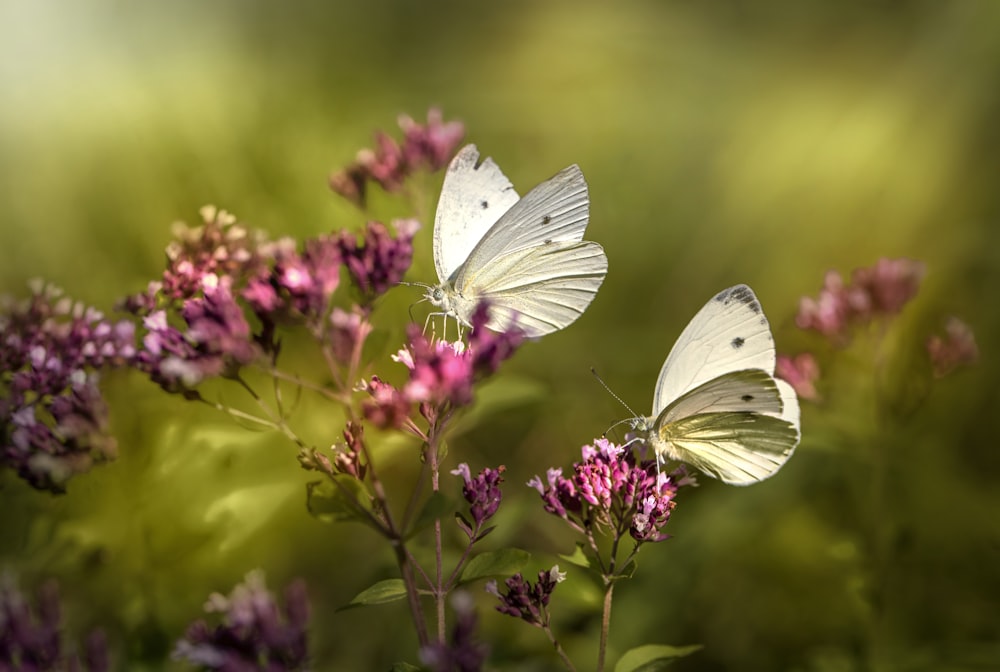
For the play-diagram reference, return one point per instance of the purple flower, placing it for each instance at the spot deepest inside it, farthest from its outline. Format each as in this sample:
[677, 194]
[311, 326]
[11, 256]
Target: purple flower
[526, 601]
[53, 419]
[348, 331]
[445, 372]
[432, 145]
[427, 147]
[483, 495]
[217, 341]
[380, 261]
[878, 291]
[956, 348]
[253, 635]
[348, 456]
[220, 247]
[461, 653]
[30, 637]
[801, 372]
[439, 371]
[490, 348]
[299, 286]
[388, 407]
[216, 325]
[890, 284]
[609, 490]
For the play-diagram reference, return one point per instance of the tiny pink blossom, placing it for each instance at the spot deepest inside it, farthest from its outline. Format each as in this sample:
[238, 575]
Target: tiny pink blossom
[956, 348]
[801, 372]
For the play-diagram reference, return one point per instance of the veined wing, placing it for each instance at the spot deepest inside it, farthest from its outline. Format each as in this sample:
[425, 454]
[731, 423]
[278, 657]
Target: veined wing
[473, 197]
[730, 333]
[556, 211]
[789, 404]
[539, 289]
[736, 448]
[751, 390]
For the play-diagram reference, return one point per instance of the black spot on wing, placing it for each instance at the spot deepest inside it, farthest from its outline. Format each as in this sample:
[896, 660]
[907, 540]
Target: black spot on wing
[546, 219]
[484, 204]
[737, 343]
[747, 398]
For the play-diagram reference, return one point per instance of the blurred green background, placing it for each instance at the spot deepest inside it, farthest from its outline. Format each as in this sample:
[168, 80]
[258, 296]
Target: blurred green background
[723, 142]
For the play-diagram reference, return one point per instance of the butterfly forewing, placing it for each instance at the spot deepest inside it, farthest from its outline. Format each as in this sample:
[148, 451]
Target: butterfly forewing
[473, 197]
[736, 448]
[729, 333]
[555, 211]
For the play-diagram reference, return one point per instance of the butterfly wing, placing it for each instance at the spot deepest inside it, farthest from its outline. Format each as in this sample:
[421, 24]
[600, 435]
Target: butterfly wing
[538, 289]
[555, 211]
[533, 265]
[736, 448]
[730, 333]
[474, 196]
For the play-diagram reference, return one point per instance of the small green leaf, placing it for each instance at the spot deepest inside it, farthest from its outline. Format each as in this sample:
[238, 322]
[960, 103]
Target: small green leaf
[404, 667]
[382, 592]
[436, 506]
[343, 500]
[578, 558]
[625, 572]
[652, 657]
[504, 562]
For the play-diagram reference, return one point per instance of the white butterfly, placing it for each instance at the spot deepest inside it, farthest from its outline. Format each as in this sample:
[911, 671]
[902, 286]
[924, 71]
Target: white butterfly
[717, 405]
[526, 256]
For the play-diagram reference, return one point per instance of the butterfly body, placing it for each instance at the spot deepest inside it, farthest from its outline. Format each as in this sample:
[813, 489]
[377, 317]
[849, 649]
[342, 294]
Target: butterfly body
[717, 404]
[525, 256]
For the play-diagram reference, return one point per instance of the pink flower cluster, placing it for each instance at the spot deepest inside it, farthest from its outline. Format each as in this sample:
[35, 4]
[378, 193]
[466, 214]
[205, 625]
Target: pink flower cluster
[956, 348]
[195, 317]
[53, 419]
[877, 291]
[442, 374]
[801, 372]
[609, 490]
[425, 146]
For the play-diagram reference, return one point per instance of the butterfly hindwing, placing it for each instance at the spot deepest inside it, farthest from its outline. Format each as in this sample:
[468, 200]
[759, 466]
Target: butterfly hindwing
[540, 289]
[739, 448]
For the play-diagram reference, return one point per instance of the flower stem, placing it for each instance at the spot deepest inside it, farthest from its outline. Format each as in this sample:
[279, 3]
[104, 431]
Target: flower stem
[605, 626]
[559, 650]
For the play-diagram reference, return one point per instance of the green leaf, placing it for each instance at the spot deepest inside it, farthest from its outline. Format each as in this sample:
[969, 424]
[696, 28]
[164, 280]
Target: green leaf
[625, 572]
[404, 667]
[652, 657]
[504, 562]
[340, 501]
[382, 592]
[435, 508]
[578, 558]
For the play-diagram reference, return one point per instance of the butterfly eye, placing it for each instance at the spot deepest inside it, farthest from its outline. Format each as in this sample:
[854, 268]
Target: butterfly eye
[437, 294]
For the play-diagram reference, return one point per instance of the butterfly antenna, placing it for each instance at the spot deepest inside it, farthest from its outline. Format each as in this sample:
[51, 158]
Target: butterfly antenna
[605, 386]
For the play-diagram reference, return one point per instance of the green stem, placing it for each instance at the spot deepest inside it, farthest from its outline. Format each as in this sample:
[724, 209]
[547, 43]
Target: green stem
[558, 647]
[605, 625]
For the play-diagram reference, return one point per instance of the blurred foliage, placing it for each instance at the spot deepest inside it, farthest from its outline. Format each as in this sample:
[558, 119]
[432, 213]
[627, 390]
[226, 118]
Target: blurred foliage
[723, 143]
